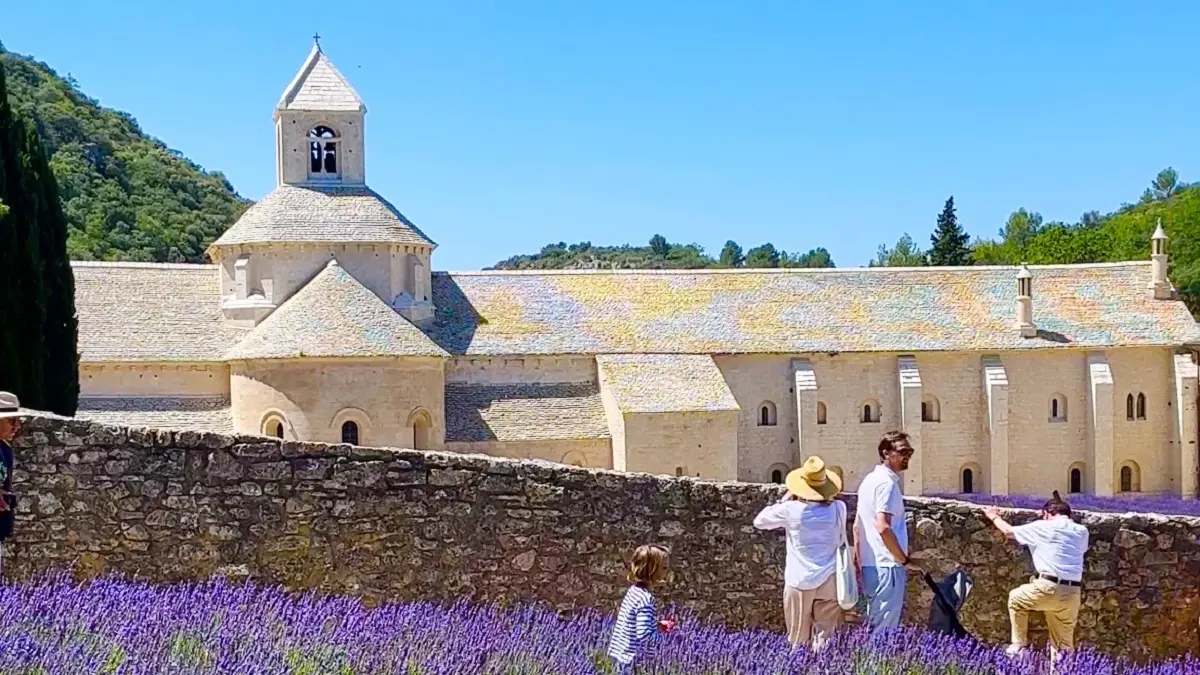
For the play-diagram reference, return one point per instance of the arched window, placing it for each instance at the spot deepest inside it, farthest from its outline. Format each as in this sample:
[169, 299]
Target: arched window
[1076, 485]
[574, 458]
[1141, 406]
[931, 409]
[766, 414]
[350, 432]
[274, 425]
[822, 414]
[870, 412]
[968, 481]
[1129, 407]
[679, 472]
[322, 145]
[1131, 477]
[1058, 408]
[421, 426]
[778, 473]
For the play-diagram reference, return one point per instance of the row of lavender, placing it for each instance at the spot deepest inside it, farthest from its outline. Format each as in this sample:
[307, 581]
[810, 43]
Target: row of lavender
[1140, 503]
[115, 626]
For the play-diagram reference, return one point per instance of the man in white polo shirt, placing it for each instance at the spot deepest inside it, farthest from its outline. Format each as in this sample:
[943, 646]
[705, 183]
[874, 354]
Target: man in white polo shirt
[1057, 544]
[881, 534]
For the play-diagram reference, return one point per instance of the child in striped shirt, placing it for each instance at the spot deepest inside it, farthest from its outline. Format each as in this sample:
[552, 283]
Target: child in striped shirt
[636, 620]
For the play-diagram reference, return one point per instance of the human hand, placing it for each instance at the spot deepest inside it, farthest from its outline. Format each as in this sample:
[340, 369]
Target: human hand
[991, 512]
[666, 625]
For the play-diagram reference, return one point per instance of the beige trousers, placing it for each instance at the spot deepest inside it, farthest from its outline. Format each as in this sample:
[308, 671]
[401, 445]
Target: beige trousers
[1059, 604]
[812, 614]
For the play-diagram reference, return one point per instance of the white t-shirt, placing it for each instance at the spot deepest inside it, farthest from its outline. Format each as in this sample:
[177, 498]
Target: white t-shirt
[1057, 545]
[880, 493]
[813, 538]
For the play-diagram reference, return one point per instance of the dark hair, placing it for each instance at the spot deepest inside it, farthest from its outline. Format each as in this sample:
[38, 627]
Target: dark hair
[889, 441]
[1057, 506]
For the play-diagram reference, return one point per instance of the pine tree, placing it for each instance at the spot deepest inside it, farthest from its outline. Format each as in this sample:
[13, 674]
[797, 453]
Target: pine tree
[950, 243]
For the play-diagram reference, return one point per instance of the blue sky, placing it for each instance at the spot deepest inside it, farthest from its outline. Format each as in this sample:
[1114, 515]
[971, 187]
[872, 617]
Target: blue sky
[499, 127]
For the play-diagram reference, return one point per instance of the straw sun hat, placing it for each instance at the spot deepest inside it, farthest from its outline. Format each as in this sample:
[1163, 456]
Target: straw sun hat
[813, 482]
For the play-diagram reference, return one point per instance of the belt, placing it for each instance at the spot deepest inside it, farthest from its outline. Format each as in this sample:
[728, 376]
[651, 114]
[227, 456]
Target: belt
[1064, 582]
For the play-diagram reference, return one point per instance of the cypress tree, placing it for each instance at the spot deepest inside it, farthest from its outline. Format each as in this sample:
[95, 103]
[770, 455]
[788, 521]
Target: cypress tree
[949, 241]
[61, 370]
[12, 372]
[38, 356]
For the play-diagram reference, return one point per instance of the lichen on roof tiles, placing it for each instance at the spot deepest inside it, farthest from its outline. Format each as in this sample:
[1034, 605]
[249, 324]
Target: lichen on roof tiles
[292, 213]
[334, 316]
[651, 383]
[150, 312]
[799, 311]
[183, 413]
[524, 412]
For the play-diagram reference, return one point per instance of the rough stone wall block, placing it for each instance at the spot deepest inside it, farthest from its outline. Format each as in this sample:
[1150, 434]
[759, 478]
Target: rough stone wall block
[1185, 423]
[910, 420]
[807, 394]
[1100, 422]
[395, 525]
[995, 389]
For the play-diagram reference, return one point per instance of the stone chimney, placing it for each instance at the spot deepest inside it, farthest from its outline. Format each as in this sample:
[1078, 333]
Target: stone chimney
[1025, 302]
[1159, 283]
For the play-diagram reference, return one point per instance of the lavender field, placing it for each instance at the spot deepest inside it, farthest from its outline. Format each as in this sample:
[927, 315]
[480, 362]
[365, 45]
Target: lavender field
[1142, 503]
[115, 627]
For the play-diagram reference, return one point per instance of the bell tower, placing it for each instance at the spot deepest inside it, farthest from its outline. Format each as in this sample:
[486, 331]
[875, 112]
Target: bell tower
[319, 127]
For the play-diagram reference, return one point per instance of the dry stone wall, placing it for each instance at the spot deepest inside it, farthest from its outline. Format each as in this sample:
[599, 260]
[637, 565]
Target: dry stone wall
[392, 525]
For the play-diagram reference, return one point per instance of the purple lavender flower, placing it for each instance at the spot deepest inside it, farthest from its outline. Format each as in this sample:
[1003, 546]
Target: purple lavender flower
[118, 627]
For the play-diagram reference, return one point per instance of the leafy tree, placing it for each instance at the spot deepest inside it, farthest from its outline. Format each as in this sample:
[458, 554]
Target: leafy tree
[659, 245]
[1165, 184]
[949, 241]
[904, 254]
[731, 255]
[762, 256]
[817, 257]
[38, 355]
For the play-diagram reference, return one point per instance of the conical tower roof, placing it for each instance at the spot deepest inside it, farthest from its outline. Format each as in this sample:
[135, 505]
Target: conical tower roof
[319, 86]
[334, 316]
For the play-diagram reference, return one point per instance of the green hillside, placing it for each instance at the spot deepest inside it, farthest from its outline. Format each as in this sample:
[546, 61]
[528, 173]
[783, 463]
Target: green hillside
[127, 196]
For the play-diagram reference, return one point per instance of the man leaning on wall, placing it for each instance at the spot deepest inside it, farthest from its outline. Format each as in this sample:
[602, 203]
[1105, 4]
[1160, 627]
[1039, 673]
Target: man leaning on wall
[10, 424]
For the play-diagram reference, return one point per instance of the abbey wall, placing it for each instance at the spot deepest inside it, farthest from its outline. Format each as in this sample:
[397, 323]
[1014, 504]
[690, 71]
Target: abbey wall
[395, 524]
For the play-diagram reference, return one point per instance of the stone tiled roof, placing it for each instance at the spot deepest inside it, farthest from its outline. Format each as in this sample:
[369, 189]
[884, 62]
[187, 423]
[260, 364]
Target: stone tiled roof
[797, 311]
[651, 383]
[332, 316]
[319, 86]
[524, 412]
[150, 312]
[189, 414]
[292, 213]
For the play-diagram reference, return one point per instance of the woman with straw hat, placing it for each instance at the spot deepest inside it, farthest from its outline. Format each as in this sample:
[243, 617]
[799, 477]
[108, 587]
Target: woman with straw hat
[815, 526]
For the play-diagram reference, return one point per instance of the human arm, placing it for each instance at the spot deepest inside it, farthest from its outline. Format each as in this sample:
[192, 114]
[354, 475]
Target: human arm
[890, 504]
[645, 623]
[774, 516]
[993, 516]
[883, 525]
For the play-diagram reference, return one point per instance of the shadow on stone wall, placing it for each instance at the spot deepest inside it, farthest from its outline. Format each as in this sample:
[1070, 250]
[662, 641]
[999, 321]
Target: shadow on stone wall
[395, 525]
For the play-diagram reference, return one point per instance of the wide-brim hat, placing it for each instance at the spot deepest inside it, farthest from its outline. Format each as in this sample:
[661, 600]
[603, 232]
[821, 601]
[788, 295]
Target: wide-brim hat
[812, 481]
[10, 406]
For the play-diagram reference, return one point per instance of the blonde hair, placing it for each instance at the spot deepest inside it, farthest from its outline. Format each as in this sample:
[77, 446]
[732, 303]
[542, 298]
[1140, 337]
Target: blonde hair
[648, 565]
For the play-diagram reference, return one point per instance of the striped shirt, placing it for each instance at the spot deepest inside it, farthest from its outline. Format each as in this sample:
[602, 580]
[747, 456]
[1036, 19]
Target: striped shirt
[636, 625]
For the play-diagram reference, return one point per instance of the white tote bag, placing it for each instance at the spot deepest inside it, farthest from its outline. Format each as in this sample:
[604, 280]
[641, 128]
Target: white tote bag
[847, 580]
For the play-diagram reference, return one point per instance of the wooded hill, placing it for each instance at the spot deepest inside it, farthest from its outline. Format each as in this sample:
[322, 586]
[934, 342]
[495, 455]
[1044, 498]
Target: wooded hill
[127, 196]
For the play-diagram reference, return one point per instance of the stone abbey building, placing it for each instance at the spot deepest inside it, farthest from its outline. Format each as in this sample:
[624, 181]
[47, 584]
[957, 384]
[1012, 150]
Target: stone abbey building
[320, 320]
